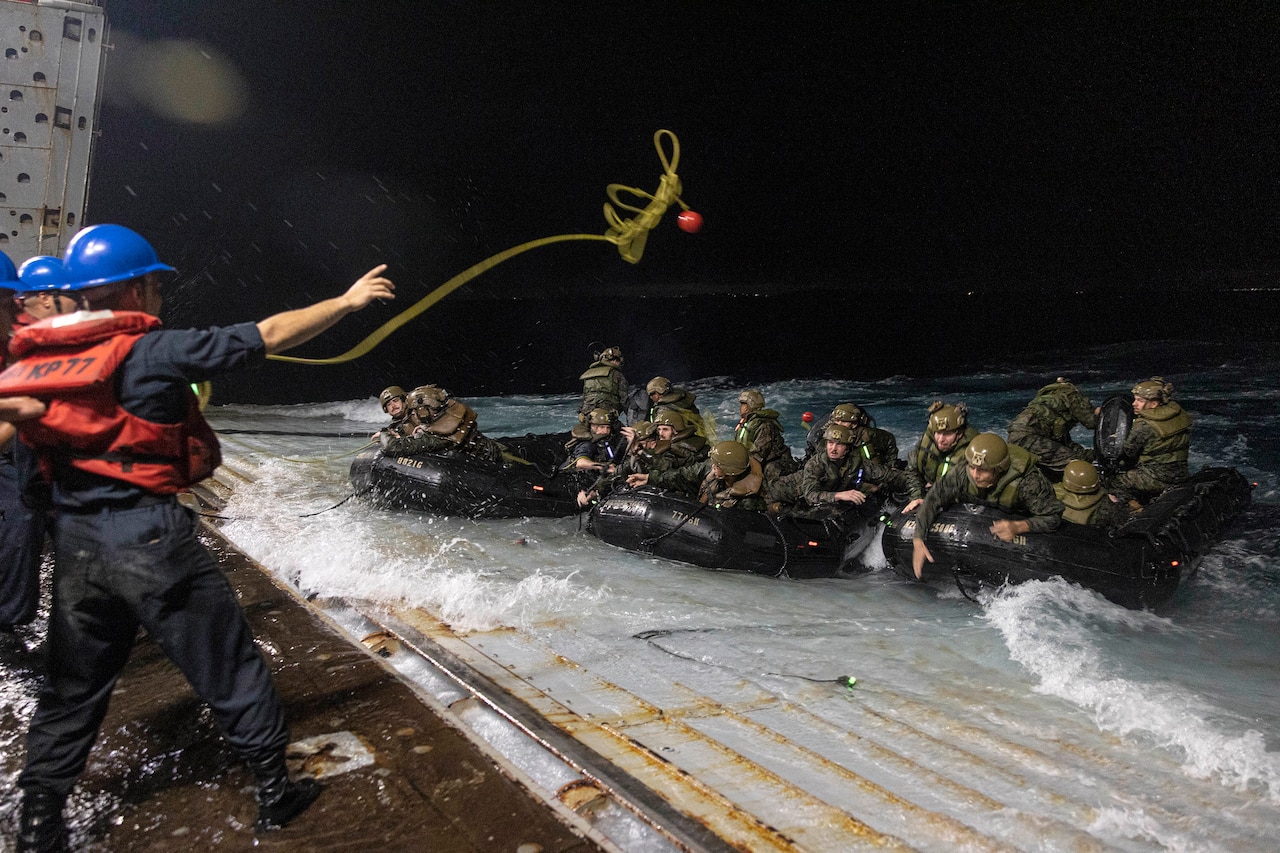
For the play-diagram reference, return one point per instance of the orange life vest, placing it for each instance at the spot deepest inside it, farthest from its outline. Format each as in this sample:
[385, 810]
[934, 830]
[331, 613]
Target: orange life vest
[69, 362]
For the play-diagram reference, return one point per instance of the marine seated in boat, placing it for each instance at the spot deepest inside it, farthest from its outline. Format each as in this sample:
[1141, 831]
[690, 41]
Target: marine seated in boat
[998, 474]
[839, 475]
[1156, 446]
[598, 448]
[946, 437]
[395, 402]
[641, 438]
[728, 477]
[441, 424]
[1083, 499]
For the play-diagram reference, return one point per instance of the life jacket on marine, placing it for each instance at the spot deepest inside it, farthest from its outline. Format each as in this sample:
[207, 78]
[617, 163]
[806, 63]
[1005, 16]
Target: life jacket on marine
[1080, 509]
[728, 491]
[931, 463]
[749, 427]
[70, 362]
[603, 387]
[457, 423]
[877, 445]
[1004, 494]
[1173, 430]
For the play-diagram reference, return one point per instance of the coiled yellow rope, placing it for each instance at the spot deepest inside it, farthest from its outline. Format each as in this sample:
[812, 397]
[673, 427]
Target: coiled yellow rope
[629, 235]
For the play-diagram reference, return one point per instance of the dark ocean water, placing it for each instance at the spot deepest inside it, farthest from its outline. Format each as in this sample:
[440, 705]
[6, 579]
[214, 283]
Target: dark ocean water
[481, 347]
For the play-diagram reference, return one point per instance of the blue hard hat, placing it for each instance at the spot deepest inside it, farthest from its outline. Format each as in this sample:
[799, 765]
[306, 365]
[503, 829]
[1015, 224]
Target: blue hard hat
[8, 273]
[106, 254]
[40, 273]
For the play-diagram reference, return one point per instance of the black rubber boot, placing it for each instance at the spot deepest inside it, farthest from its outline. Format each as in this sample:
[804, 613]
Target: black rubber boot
[279, 799]
[41, 828]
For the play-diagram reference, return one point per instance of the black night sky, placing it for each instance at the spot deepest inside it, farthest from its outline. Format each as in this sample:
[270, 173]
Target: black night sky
[874, 177]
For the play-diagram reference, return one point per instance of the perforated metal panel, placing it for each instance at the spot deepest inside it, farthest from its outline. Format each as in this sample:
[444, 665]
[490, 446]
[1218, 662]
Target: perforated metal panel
[51, 61]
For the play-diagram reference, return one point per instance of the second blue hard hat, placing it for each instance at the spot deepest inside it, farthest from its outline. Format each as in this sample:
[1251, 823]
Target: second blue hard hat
[106, 254]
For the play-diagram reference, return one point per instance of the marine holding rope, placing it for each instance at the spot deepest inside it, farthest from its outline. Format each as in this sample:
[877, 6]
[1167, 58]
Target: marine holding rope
[104, 395]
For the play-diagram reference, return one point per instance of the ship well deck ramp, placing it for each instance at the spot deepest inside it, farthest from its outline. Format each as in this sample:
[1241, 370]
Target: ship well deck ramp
[635, 760]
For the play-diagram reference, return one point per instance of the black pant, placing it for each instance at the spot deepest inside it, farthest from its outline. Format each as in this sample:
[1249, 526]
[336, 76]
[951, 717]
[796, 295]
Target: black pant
[117, 569]
[21, 545]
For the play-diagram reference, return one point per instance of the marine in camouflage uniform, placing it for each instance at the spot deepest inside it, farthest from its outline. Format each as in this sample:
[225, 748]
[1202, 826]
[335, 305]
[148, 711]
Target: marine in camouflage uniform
[728, 477]
[443, 424]
[942, 446]
[1016, 486]
[873, 443]
[760, 432]
[601, 449]
[663, 395]
[677, 439]
[641, 439]
[1044, 426]
[603, 385]
[1158, 443]
[1084, 499]
[835, 471]
[395, 402]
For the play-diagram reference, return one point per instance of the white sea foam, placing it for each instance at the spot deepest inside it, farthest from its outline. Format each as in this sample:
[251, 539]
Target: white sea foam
[1054, 630]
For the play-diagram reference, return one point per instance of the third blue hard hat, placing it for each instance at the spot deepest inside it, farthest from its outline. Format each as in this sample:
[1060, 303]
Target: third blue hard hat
[8, 272]
[40, 273]
[106, 254]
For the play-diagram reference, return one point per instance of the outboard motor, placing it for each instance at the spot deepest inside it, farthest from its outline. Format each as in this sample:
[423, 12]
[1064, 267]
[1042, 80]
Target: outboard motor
[1114, 421]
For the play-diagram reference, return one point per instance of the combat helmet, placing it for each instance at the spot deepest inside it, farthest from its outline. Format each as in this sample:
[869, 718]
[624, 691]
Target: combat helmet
[430, 397]
[837, 432]
[643, 429]
[671, 418]
[613, 354]
[1080, 477]
[599, 416]
[988, 451]
[944, 418]
[731, 457]
[849, 412]
[1154, 388]
[753, 399]
[659, 385]
[390, 393]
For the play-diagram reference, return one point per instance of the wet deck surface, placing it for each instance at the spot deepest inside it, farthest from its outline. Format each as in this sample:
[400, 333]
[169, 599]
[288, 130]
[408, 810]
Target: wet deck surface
[161, 777]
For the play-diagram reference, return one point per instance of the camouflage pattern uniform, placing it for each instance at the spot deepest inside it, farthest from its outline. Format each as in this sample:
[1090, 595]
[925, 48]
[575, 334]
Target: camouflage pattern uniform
[761, 433]
[1022, 490]
[1044, 426]
[823, 476]
[931, 464]
[697, 480]
[1159, 440]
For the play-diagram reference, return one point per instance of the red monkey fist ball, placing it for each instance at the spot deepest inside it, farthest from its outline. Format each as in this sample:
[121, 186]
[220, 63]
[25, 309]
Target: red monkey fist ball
[689, 222]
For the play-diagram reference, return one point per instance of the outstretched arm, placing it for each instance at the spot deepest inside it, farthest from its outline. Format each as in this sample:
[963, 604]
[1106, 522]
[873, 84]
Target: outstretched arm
[288, 329]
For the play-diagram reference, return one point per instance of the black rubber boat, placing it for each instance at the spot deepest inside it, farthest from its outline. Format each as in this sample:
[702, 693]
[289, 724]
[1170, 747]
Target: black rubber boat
[1140, 564]
[666, 524]
[460, 484]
